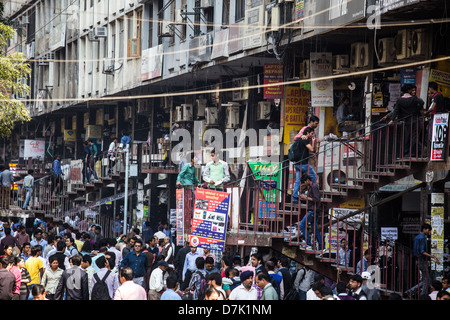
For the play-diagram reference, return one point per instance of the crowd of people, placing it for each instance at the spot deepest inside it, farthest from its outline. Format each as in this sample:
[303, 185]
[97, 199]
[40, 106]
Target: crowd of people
[62, 264]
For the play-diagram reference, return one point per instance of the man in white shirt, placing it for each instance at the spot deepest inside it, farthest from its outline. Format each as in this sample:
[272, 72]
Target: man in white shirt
[245, 291]
[128, 289]
[157, 282]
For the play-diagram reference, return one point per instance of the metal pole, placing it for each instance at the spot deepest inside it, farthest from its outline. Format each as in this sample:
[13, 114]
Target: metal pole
[125, 204]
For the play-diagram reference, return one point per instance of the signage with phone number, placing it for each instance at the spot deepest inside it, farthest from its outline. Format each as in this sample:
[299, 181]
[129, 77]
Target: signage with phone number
[439, 138]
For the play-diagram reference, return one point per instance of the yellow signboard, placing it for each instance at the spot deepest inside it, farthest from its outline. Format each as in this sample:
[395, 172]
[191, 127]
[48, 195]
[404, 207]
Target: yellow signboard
[70, 135]
[296, 102]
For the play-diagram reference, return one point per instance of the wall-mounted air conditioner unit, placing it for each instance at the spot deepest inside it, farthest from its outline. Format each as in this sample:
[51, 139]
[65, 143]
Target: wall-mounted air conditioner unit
[108, 66]
[201, 106]
[101, 32]
[92, 37]
[264, 108]
[359, 55]
[188, 112]
[212, 115]
[165, 29]
[386, 50]
[341, 62]
[184, 112]
[401, 44]
[127, 113]
[42, 62]
[207, 3]
[232, 116]
[417, 42]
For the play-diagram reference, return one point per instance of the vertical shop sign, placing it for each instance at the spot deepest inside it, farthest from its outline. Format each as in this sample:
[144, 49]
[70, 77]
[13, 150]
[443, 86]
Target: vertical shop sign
[179, 199]
[437, 233]
[440, 136]
[296, 103]
[322, 88]
[273, 73]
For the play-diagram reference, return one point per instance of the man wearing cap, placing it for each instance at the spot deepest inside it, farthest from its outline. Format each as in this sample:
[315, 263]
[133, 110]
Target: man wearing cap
[355, 284]
[371, 293]
[157, 283]
[245, 291]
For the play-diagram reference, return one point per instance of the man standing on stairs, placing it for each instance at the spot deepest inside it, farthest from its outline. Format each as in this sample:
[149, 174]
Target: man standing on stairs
[92, 159]
[302, 149]
[28, 183]
[57, 175]
[408, 109]
[313, 123]
[313, 204]
[422, 258]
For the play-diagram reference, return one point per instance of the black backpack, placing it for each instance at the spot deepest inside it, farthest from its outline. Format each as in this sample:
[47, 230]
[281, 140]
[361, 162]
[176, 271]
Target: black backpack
[446, 104]
[203, 287]
[100, 290]
[292, 295]
[295, 154]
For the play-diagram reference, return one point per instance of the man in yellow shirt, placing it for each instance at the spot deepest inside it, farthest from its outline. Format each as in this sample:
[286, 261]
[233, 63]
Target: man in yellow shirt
[35, 266]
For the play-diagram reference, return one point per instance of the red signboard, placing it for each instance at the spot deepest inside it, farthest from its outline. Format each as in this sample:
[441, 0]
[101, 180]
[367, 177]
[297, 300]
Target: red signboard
[273, 73]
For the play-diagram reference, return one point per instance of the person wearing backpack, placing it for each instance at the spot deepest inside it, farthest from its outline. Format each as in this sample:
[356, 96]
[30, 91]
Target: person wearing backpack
[301, 149]
[198, 284]
[303, 281]
[103, 283]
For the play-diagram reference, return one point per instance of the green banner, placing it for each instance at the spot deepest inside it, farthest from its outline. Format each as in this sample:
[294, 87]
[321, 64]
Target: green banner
[268, 175]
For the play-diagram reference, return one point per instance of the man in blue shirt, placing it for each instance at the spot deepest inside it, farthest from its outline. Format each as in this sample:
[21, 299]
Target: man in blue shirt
[125, 140]
[57, 174]
[170, 293]
[420, 252]
[38, 240]
[189, 263]
[137, 261]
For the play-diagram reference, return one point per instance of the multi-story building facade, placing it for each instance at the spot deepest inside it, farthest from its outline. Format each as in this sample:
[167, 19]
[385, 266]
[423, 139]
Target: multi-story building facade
[153, 67]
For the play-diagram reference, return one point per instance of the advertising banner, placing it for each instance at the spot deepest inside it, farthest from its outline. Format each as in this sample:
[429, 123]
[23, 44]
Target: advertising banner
[437, 235]
[209, 223]
[34, 149]
[151, 62]
[296, 103]
[273, 73]
[321, 89]
[179, 199]
[440, 136]
[268, 177]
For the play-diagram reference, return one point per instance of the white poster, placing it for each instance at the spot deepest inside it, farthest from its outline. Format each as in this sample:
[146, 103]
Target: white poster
[151, 63]
[254, 27]
[322, 88]
[34, 149]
